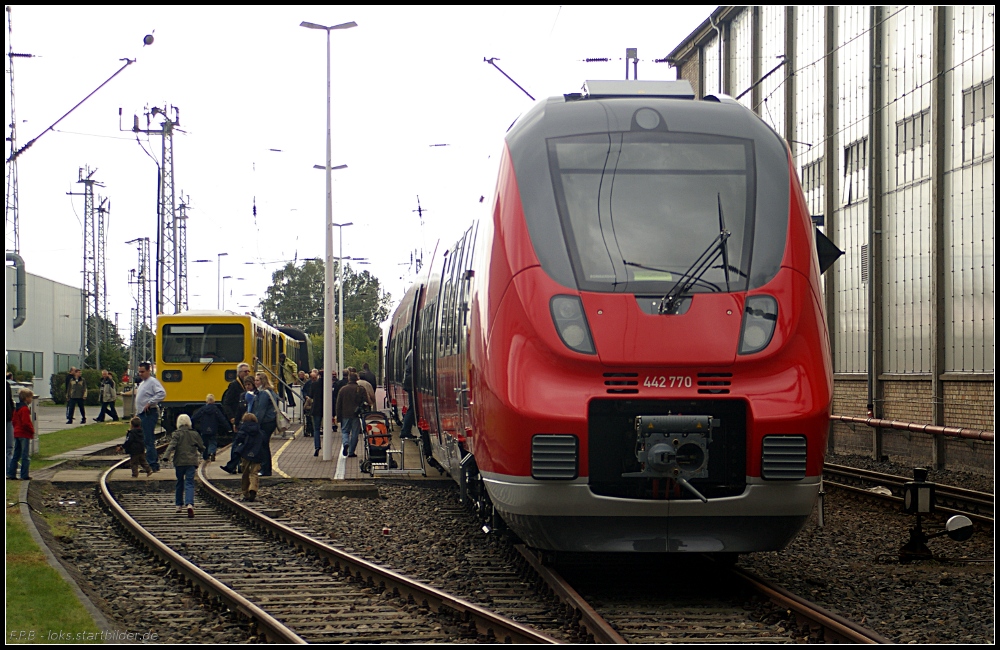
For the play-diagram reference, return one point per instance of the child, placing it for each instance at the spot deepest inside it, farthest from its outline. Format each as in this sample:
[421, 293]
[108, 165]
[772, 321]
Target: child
[249, 443]
[136, 449]
[186, 448]
[24, 431]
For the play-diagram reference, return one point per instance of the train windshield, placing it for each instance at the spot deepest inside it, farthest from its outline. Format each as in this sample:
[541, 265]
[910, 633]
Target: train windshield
[638, 208]
[203, 343]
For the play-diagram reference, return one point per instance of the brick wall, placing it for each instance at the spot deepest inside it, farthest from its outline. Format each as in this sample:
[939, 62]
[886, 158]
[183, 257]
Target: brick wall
[966, 404]
[969, 404]
[689, 71]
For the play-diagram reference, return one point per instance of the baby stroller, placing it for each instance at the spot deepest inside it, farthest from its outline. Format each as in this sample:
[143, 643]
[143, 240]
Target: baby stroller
[375, 425]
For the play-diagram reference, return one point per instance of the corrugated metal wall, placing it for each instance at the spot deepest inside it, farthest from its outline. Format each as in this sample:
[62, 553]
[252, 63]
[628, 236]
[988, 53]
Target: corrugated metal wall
[891, 126]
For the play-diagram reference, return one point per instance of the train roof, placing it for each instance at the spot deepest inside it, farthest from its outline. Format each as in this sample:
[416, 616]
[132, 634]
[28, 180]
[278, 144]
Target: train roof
[597, 89]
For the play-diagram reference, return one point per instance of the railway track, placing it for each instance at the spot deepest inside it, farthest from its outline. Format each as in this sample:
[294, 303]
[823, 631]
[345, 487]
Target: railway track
[618, 610]
[950, 500]
[290, 587]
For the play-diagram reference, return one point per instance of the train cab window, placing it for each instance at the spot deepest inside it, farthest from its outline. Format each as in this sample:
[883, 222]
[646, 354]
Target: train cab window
[203, 343]
[614, 189]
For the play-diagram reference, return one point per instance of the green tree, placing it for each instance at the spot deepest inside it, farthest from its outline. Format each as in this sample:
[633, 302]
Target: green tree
[295, 298]
[114, 353]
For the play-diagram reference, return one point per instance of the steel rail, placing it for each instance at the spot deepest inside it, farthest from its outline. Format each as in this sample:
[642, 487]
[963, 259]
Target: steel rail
[594, 623]
[487, 623]
[835, 628]
[979, 504]
[272, 629]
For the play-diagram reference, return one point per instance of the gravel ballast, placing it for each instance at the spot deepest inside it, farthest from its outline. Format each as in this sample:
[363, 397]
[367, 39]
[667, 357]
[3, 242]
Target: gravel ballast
[849, 566]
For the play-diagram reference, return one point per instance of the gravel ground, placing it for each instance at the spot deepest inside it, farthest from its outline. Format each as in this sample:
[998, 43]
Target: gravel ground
[840, 566]
[849, 566]
[965, 480]
[133, 590]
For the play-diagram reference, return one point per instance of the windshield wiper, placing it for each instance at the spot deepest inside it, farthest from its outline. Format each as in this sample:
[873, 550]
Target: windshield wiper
[671, 303]
[725, 244]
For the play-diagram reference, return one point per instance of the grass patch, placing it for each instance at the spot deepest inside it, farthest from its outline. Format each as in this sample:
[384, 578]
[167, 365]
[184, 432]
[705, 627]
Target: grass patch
[38, 599]
[59, 442]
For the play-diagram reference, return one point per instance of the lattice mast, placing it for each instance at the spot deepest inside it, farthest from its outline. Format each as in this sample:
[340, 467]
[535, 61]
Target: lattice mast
[182, 275]
[12, 227]
[171, 256]
[102, 321]
[90, 327]
[142, 313]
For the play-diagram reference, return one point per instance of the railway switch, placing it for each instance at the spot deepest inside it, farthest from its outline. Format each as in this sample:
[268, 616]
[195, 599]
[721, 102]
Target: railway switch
[918, 499]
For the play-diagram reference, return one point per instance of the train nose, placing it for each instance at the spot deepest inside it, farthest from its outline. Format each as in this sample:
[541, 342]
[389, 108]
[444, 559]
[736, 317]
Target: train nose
[706, 333]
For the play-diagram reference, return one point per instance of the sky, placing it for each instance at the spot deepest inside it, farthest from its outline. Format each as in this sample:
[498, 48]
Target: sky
[252, 81]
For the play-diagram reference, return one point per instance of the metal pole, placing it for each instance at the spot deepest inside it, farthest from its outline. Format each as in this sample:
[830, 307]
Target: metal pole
[328, 361]
[340, 289]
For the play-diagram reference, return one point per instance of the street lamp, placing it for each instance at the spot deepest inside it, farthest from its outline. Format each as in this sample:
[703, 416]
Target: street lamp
[328, 405]
[340, 290]
[223, 302]
[218, 285]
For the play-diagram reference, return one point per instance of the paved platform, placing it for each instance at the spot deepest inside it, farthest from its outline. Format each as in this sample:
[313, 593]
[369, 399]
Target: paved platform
[292, 458]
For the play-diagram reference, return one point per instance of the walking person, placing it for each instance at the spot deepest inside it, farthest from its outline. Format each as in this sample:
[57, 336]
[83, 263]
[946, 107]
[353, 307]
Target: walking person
[69, 404]
[316, 392]
[148, 396]
[287, 373]
[77, 393]
[351, 399]
[411, 411]
[24, 431]
[135, 447]
[307, 400]
[265, 409]
[234, 391]
[367, 375]
[109, 393]
[249, 440]
[10, 420]
[210, 421]
[186, 448]
[245, 406]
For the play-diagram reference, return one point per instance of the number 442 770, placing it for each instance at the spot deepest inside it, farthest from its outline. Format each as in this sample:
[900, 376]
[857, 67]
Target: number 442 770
[673, 381]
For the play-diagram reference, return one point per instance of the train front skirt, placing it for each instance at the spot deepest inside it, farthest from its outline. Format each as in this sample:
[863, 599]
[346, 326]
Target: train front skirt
[764, 518]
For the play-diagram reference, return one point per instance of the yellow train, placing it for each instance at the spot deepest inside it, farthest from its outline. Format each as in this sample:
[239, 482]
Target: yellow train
[197, 353]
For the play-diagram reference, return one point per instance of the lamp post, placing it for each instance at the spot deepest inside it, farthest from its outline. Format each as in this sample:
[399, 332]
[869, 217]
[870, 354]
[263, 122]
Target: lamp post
[328, 405]
[340, 290]
[224, 278]
[218, 285]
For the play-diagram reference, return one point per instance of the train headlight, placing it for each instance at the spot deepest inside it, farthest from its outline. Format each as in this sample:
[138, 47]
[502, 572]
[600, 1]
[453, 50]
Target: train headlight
[571, 323]
[759, 317]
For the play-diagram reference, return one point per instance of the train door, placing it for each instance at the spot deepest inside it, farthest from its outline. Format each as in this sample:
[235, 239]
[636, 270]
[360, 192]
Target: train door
[450, 353]
[464, 307]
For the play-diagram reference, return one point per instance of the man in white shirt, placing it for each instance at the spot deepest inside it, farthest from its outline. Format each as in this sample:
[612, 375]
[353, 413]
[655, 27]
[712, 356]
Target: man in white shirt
[148, 396]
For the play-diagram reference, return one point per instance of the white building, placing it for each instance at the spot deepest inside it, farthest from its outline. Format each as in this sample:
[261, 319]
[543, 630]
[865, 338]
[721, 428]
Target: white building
[49, 339]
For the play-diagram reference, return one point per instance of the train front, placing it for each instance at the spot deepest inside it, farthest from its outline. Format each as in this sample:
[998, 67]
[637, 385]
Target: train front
[196, 354]
[652, 372]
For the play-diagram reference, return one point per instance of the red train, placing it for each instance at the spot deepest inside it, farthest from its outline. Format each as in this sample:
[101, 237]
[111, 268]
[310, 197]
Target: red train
[631, 355]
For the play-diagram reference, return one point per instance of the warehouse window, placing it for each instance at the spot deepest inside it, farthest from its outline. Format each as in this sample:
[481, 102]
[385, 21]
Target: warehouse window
[913, 132]
[812, 176]
[26, 361]
[912, 160]
[63, 362]
[855, 165]
[977, 109]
